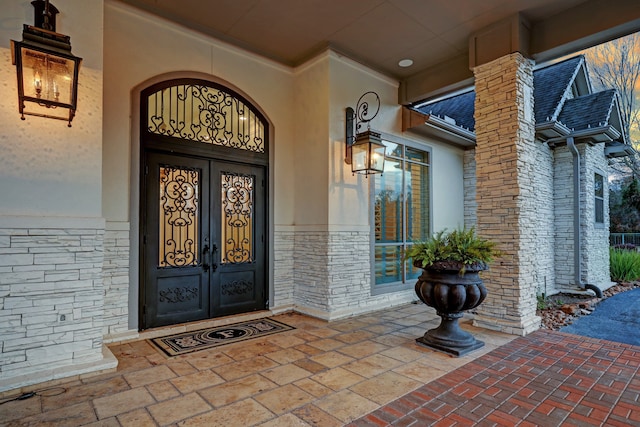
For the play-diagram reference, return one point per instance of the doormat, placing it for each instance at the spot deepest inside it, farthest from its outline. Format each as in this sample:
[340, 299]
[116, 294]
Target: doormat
[202, 339]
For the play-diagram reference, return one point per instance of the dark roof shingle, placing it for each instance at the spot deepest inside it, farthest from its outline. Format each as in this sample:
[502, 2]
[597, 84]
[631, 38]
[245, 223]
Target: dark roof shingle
[550, 84]
[588, 111]
[458, 107]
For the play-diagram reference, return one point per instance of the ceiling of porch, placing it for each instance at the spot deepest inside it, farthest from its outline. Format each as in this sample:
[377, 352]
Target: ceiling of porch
[434, 34]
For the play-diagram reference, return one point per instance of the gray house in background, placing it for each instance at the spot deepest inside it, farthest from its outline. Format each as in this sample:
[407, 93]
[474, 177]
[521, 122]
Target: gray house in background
[577, 131]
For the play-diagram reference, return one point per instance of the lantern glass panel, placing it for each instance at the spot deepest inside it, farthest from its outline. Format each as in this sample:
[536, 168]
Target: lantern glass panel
[360, 156]
[377, 157]
[47, 77]
[367, 153]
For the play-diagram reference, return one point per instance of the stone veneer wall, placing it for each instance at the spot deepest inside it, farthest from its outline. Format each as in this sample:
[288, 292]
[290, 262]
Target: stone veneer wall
[563, 199]
[116, 280]
[469, 183]
[283, 263]
[506, 193]
[51, 299]
[595, 238]
[323, 274]
[333, 275]
[594, 267]
[310, 272]
[544, 225]
[544, 213]
[349, 272]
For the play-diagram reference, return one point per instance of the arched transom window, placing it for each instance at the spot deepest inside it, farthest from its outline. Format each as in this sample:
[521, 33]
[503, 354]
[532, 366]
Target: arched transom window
[200, 111]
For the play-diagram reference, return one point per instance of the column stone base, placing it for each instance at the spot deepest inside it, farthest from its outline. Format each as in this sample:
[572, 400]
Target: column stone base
[522, 327]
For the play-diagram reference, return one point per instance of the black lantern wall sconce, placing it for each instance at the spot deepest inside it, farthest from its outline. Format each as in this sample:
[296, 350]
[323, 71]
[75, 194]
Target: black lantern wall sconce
[364, 150]
[47, 71]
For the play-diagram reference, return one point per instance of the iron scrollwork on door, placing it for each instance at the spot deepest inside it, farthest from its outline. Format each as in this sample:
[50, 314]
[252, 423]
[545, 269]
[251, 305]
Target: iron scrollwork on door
[237, 218]
[178, 294]
[205, 114]
[179, 192]
[237, 287]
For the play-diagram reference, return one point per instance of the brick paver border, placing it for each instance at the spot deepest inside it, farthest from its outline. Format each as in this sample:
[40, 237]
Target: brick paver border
[544, 379]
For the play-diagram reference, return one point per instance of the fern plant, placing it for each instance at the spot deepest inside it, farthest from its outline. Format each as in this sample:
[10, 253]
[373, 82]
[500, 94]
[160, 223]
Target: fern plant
[461, 247]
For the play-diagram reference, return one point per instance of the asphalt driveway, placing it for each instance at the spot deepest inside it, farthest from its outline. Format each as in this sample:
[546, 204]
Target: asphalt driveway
[615, 319]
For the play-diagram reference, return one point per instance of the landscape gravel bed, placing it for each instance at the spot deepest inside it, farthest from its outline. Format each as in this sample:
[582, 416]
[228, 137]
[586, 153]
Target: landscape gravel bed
[562, 309]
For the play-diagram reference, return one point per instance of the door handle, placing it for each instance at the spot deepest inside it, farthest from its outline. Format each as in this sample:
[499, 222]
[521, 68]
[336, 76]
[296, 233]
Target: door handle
[214, 266]
[205, 251]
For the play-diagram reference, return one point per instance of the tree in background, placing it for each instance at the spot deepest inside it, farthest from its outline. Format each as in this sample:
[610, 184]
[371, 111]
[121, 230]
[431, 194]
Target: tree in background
[616, 64]
[624, 205]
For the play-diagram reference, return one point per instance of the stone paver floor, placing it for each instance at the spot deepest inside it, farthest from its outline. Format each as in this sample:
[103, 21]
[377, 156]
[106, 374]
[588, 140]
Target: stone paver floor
[362, 371]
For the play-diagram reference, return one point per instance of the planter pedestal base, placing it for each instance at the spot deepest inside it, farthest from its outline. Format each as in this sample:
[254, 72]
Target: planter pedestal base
[443, 288]
[449, 338]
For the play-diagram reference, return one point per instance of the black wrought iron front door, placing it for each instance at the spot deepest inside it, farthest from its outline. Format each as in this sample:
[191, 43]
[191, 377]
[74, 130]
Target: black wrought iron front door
[203, 239]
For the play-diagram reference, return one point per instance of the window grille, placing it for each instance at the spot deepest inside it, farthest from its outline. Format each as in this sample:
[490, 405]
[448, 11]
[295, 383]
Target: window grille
[401, 212]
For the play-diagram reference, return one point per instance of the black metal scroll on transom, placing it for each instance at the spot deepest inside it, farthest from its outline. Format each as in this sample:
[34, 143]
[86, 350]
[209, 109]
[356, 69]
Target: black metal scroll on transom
[205, 114]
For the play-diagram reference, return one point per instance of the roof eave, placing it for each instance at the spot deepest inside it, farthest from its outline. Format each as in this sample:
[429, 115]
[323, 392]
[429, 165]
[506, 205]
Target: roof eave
[594, 135]
[598, 134]
[616, 149]
[551, 130]
[436, 127]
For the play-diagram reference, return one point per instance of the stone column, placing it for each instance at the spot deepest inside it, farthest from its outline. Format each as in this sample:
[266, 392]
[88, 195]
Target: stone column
[506, 196]
[470, 203]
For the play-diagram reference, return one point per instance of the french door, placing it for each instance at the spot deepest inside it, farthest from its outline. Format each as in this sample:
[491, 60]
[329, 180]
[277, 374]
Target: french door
[203, 243]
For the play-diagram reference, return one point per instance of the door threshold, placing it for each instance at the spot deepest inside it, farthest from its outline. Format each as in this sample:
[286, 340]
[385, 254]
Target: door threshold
[203, 324]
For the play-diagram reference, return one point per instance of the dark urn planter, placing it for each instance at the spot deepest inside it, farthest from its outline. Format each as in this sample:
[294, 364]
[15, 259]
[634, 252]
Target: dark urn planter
[442, 287]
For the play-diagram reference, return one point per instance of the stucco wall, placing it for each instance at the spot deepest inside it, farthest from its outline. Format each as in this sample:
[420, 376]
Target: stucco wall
[312, 188]
[51, 230]
[173, 51]
[349, 201]
[311, 124]
[332, 243]
[349, 194]
[48, 168]
[448, 187]
[131, 57]
[91, 169]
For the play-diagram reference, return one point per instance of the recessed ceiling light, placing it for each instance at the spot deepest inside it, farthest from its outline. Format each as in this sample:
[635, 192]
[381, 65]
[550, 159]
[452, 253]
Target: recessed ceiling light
[406, 63]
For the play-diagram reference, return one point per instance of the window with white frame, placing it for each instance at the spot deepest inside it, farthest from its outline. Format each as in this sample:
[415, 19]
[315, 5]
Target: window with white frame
[401, 213]
[599, 197]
